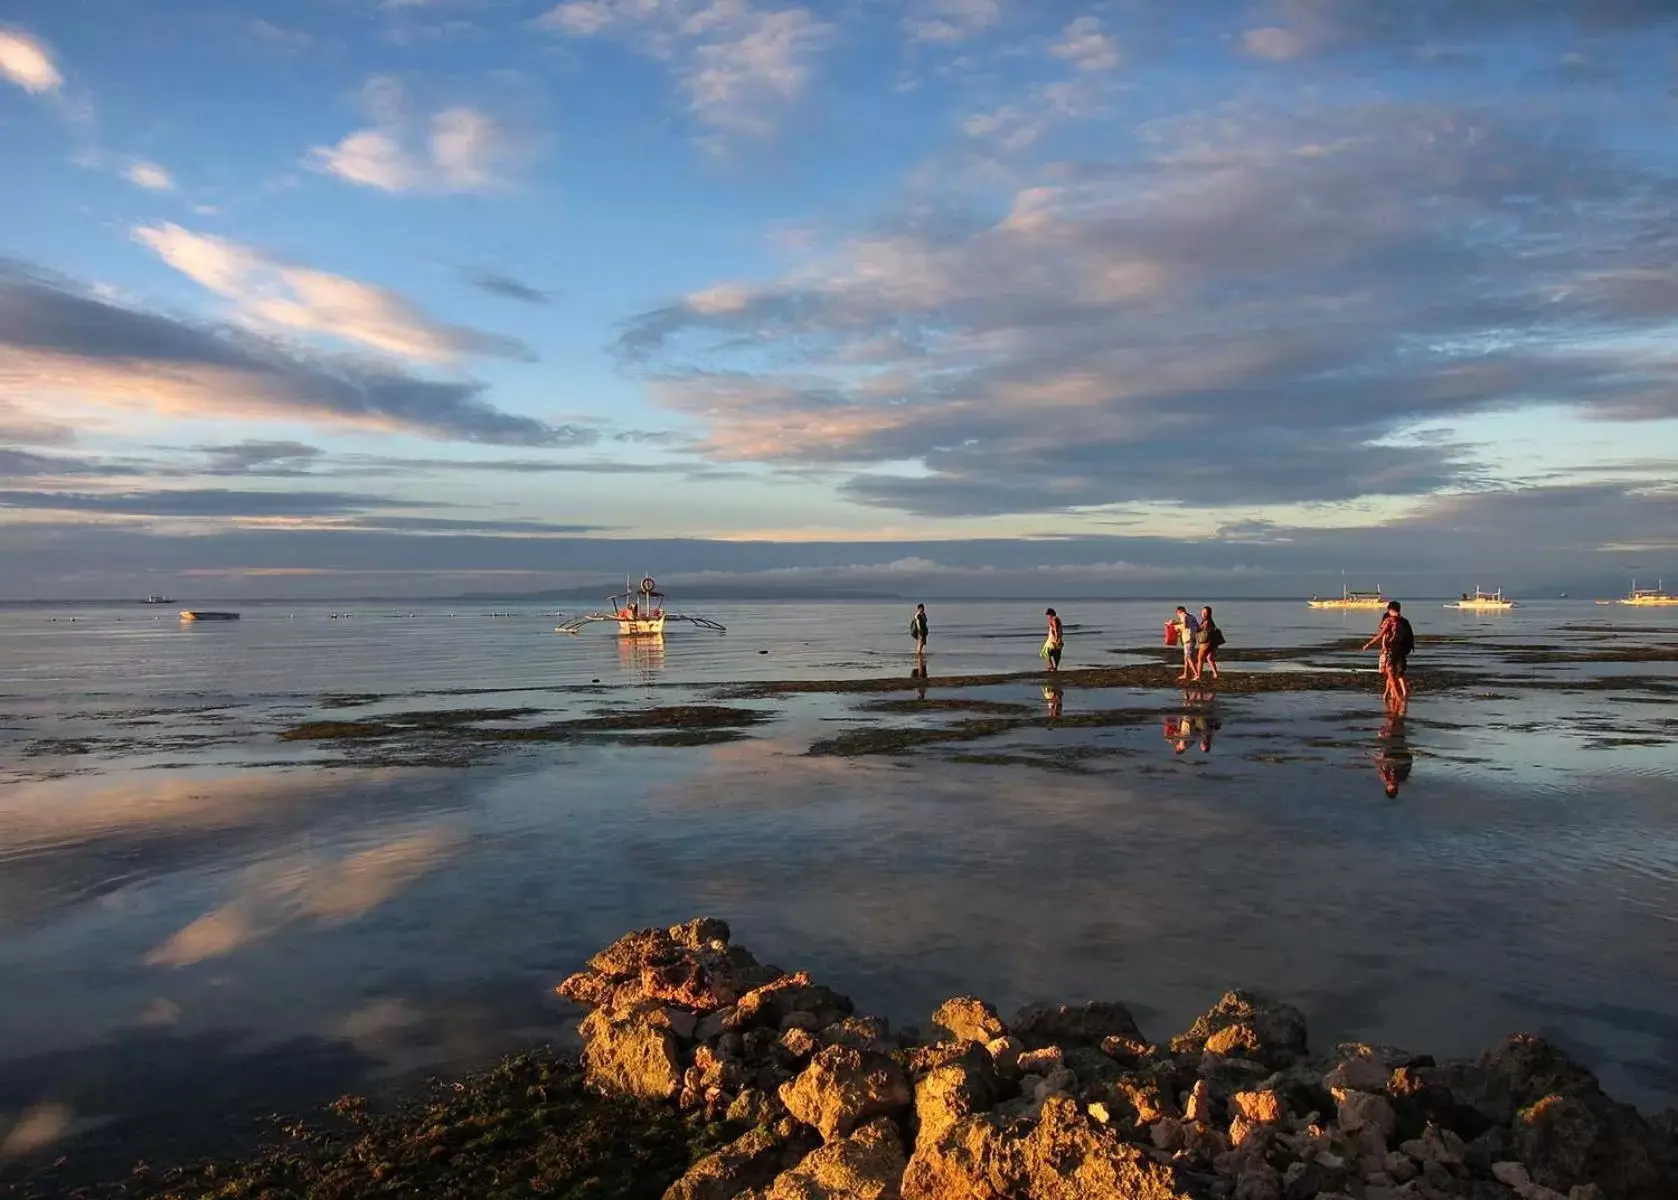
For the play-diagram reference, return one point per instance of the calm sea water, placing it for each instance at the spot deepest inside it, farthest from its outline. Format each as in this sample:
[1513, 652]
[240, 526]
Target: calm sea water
[199, 924]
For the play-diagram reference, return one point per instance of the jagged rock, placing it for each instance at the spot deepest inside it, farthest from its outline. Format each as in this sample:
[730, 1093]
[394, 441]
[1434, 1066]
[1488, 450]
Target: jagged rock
[1366, 1110]
[920, 1059]
[1127, 1049]
[1091, 1066]
[1139, 1099]
[808, 1022]
[1074, 1024]
[867, 1165]
[1399, 1167]
[952, 1092]
[1041, 1062]
[1247, 1025]
[632, 1052]
[712, 1026]
[1258, 1181]
[751, 1160]
[1515, 1073]
[753, 1107]
[1065, 1156]
[769, 1005]
[1357, 1075]
[589, 988]
[700, 932]
[1512, 1174]
[859, 1033]
[1005, 1053]
[1260, 1107]
[967, 1019]
[842, 1088]
[1060, 1081]
[1198, 1106]
[1419, 1095]
[625, 957]
[797, 1044]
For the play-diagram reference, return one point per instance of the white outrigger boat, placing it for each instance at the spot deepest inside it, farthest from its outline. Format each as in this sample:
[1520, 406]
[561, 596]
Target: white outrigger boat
[1483, 601]
[1655, 597]
[639, 612]
[1350, 599]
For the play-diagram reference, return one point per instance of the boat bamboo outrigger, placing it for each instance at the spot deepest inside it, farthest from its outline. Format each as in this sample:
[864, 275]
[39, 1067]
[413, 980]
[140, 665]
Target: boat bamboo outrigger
[639, 612]
[1350, 599]
[1482, 601]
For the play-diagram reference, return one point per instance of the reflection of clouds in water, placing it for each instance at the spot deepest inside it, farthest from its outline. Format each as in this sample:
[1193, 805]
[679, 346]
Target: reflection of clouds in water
[380, 1024]
[41, 1126]
[67, 810]
[161, 1013]
[284, 891]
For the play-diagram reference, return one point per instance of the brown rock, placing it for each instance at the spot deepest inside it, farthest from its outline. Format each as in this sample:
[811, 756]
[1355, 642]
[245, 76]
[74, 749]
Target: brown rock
[589, 988]
[766, 1006]
[751, 1160]
[1074, 1024]
[1065, 1156]
[952, 1092]
[631, 1053]
[753, 1107]
[867, 1165]
[1357, 1075]
[699, 933]
[797, 1044]
[1138, 1098]
[859, 1033]
[1260, 1107]
[1247, 1025]
[1005, 1053]
[1366, 1110]
[967, 1019]
[842, 1088]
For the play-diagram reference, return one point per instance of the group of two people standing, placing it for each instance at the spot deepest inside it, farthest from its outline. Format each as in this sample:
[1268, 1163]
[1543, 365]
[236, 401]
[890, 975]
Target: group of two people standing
[1200, 638]
[1053, 644]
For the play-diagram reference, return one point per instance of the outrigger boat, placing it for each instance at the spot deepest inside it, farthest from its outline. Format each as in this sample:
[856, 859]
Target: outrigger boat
[639, 612]
[1655, 597]
[157, 598]
[1348, 599]
[199, 614]
[1482, 601]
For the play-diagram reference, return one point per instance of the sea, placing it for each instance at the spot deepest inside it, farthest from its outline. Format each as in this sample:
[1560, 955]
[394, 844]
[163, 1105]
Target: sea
[203, 921]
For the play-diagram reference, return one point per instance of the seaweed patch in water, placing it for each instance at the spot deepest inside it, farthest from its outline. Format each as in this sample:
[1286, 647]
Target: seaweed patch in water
[525, 1127]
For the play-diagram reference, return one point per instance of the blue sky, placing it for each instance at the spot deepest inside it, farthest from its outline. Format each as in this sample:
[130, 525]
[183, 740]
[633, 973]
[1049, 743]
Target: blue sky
[339, 296]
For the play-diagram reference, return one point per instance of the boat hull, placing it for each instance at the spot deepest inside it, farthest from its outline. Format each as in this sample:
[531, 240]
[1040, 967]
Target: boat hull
[1483, 606]
[1651, 602]
[196, 615]
[1347, 603]
[641, 627]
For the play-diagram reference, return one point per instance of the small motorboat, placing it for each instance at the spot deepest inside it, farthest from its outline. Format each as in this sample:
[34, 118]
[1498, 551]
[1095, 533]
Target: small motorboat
[200, 614]
[157, 598]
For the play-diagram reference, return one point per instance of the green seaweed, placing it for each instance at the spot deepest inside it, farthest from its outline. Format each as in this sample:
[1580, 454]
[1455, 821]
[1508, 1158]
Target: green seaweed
[527, 1127]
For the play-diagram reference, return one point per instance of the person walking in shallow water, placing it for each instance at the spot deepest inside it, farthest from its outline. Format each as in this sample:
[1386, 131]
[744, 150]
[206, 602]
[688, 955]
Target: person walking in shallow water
[1206, 651]
[1055, 642]
[1396, 640]
[918, 630]
[1188, 637]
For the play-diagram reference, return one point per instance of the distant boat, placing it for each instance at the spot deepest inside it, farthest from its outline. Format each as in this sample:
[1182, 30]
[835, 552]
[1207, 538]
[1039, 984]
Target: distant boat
[1482, 601]
[198, 614]
[156, 598]
[1349, 599]
[1655, 597]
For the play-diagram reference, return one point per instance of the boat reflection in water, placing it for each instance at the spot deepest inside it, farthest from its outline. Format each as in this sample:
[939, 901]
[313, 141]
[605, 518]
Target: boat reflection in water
[643, 656]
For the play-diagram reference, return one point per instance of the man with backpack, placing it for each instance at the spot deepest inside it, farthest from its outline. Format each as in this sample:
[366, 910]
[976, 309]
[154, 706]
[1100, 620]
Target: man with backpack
[1396, 639]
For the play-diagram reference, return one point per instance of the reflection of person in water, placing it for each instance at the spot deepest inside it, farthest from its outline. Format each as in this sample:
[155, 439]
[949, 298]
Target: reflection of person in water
[1393, 758]
[1052, 697]
[1198, 720]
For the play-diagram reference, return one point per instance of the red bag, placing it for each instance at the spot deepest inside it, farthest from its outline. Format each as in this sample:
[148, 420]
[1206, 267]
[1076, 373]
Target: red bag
[1171, 633]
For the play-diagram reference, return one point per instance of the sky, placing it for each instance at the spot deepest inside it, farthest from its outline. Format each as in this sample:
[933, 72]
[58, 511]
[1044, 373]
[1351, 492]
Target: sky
[332, 298]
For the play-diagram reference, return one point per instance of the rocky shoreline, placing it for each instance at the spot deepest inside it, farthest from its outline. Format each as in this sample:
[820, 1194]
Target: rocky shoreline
[1065, 1101]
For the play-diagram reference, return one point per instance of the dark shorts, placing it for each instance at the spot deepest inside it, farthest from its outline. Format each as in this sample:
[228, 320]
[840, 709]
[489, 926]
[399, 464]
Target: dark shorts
[1054, 655]
[1396, 663]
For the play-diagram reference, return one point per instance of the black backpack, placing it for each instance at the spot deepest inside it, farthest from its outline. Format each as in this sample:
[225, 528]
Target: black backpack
[1404, 638]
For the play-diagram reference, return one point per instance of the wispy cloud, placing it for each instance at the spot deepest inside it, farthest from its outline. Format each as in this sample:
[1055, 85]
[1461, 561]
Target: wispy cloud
[287, 296]
[1252, 314]
[1084, 45]
[28, 63]
[61, 347]
[951, 20]
[458, 149]
[198, 502]
[150, 176]
[497, 283]
[741, 66]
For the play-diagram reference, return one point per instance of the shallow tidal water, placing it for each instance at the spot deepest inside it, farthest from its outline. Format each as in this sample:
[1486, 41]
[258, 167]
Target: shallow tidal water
[202, 921]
